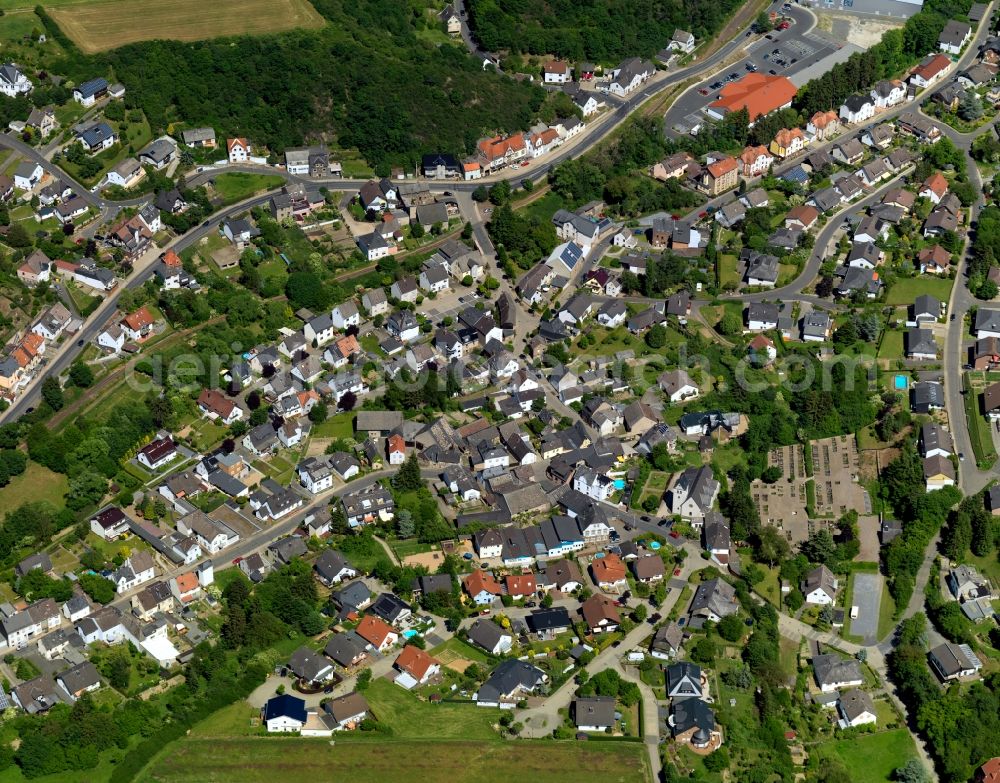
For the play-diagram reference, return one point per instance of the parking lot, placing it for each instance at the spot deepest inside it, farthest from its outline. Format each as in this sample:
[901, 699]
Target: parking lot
[867, 596]
[781, 52]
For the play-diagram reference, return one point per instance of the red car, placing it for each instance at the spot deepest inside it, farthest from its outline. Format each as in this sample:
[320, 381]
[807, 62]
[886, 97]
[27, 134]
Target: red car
[784, 25]
[237, 561]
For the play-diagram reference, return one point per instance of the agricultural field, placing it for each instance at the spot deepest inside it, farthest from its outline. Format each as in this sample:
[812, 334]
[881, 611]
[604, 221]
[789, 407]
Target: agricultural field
[459, 761]
[97, 27]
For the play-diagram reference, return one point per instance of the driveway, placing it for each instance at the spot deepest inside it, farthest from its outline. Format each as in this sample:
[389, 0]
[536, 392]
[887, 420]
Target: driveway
[867, 596]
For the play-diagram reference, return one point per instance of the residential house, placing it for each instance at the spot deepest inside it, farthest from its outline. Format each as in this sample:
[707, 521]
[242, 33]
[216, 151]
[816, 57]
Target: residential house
[823, 125]
[856, 708]
[677, 386]
[834, 672]
[600, 614]
[954, 36]
[667, 641]
[199, 137]
[820, 586]
[110, 524]
[508, 683]
[888, 93]
[755, 161]
[714, 600]
[284, 714]
[857, 109]
[628, 76]
[609, 573]
[238, 150]
[801, 217]
[926, 396]
[930, 70]
[91, 91]
[954, 661]
[719, 176]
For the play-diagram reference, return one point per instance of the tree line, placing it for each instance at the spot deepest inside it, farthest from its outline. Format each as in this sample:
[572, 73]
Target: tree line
[285, 90]
[603, 31]
[895, 52]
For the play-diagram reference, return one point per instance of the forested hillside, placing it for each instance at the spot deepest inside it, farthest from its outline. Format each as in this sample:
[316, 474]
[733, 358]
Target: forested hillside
[367, 80]
[604, 31]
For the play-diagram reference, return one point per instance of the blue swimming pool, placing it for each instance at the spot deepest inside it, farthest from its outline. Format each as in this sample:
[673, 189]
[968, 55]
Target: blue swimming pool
[410, 633]
[619, 483]
[901, 382]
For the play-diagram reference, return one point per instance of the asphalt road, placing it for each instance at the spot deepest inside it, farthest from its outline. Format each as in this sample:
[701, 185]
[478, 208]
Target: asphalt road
[93, 326]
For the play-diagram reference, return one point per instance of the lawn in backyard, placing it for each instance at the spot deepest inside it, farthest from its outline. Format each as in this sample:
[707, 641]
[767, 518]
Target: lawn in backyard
[979, 427]
[340, 426]
[238, 185]
[892, 345]
[872, 758]
[37, 483]
[455, 648]
[906, 289]
[728, 271]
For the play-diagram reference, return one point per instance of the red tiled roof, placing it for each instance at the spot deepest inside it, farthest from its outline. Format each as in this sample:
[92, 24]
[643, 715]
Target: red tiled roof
[936, 183]
[823, 118]
[478, 581]
[187, 583]
[396, 443]
[597, 608]
[758, 93]
[750, 154]
[170, 258]
[138, 320]
[373, 630]
[786, 136]
[608, 568]
[721, 167]
[936, 255]
[498, 146]
[804, 214]
[520, 584]
[215, 401]
[414, 661]
[932, 67]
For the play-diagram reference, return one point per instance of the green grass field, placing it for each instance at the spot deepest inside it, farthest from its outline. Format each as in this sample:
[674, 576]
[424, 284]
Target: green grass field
[339, 426]
[872, 758]
[411, 718]
[892, 345]
[905, 290]
[455, 648]
[35, 484]
[238, 185]
[728, 270]
[309, 760]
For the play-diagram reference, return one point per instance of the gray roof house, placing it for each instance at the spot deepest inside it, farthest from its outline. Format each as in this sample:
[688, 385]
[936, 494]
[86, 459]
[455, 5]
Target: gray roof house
[833, 672]
[714, 600]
